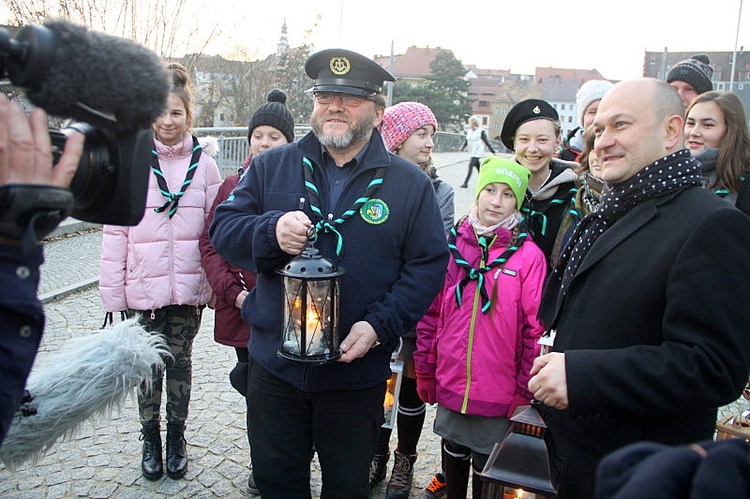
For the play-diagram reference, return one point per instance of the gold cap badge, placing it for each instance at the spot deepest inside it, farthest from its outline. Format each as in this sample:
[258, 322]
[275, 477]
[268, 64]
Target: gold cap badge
[340, 65]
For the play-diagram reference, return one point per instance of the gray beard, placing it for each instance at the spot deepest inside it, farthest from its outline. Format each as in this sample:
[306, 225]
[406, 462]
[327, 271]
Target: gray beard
[359, 134]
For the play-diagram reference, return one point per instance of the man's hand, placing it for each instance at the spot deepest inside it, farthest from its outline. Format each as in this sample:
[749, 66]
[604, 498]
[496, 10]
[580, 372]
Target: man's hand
[26, 151]
[291, 232]
[361, 338]
[548, 382]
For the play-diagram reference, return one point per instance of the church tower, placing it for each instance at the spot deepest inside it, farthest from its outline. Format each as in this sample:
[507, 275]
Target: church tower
[283, 46]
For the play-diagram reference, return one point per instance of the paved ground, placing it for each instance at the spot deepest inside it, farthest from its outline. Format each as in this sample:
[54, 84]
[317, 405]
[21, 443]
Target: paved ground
[103, 459]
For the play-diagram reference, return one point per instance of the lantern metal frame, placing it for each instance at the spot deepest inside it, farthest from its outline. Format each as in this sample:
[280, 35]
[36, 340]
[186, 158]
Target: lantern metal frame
[310, 293]
[521, 460]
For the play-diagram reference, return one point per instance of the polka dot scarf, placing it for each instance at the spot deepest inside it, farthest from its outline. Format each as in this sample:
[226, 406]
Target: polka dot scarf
[667, 175]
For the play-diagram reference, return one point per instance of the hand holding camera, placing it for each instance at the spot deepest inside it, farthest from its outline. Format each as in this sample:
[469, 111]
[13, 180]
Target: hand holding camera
[26, 171]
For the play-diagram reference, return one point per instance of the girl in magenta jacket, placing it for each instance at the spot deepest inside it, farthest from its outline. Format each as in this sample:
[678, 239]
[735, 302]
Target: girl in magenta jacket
[154, 269]
[477, 342]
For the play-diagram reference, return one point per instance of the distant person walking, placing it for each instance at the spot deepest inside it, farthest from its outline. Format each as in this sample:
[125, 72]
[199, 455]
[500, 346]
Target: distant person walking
[476, 140]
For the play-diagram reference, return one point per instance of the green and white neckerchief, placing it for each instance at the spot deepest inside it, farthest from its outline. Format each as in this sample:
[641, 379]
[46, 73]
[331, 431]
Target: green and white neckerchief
[473, 274]
[328, 224]
[174, 199]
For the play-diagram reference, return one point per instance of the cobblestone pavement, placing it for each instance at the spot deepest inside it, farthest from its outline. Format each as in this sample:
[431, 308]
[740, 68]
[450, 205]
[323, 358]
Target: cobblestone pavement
[70, 262]
[103, 459]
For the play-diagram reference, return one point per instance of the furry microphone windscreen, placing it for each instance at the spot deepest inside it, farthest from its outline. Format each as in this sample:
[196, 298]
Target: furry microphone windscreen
[89, 377]
[108, 74]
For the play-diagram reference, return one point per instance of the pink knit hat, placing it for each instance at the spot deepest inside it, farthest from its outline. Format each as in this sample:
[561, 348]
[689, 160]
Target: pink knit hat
[402, 120]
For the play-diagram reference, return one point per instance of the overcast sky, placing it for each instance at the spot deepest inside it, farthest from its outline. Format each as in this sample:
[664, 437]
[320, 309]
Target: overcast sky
[519, 35]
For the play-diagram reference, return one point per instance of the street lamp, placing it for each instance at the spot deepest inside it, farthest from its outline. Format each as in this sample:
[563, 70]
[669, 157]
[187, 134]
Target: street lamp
[310, 331]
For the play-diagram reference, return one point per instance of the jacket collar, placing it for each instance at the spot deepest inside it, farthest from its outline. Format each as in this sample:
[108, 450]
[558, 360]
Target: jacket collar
[376, 155]
[182, 148]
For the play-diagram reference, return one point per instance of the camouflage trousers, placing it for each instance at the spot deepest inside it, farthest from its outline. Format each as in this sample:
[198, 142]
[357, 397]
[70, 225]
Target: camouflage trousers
[178, 324]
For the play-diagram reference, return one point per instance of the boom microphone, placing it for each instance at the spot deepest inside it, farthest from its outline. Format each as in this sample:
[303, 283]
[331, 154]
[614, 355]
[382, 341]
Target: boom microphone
[89, 76]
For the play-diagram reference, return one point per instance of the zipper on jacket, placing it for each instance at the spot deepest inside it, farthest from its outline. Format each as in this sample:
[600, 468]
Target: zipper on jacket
[469, 348]
[472, 324]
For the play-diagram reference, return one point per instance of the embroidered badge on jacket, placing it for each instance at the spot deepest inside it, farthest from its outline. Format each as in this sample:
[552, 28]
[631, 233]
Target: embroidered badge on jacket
[374, 211]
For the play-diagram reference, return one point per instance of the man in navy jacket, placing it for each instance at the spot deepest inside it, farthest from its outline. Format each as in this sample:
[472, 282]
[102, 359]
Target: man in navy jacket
[649, 299]
[384, 228]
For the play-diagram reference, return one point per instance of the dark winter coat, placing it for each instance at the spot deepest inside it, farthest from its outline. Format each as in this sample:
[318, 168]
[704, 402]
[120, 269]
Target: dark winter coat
[654, 329]
[394, 269]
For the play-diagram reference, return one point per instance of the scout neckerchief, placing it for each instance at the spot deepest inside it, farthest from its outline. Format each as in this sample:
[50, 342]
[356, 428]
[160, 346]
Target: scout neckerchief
[174, 199]
[532, 214]
[329, 225]
[473, 274]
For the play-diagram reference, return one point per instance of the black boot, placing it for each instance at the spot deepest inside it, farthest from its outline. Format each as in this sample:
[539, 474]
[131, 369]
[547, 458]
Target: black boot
[177, 458]
[151, 464]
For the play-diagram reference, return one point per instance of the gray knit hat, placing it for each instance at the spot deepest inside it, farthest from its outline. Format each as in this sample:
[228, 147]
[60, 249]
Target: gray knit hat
[273, 113]
[695, 71]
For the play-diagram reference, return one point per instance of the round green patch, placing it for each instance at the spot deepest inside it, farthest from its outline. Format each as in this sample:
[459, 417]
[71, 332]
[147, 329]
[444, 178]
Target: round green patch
[374, 211]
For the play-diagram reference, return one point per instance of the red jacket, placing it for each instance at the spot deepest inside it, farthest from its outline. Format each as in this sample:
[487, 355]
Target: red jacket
[227, 281]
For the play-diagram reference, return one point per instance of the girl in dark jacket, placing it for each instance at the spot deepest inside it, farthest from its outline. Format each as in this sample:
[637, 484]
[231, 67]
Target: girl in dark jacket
[271, 125]
[717, 135]
[532, 131]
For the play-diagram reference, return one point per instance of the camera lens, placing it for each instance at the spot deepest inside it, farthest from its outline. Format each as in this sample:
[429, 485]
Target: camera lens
[96, 177]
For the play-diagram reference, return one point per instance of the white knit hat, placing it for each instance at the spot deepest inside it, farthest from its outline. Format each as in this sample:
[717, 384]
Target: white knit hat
[589, 92]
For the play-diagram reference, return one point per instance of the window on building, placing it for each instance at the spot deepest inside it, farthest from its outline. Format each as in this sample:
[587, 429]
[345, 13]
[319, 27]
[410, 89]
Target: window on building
[483, 103]
[740, 86]
[562, 107]
[570, 119]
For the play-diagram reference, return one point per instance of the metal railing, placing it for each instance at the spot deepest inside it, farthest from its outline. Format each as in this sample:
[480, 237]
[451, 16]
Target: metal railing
[233, 145]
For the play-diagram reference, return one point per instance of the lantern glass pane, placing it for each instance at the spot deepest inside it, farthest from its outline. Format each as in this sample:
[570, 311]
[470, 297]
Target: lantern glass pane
[294, 305]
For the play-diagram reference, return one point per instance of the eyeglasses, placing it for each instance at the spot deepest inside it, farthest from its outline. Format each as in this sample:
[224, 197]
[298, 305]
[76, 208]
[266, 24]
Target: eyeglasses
[347, 100]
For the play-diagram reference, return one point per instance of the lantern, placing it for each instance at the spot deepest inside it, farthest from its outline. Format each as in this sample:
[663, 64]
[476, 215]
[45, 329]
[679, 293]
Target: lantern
[393, 389]
[310, 331]
[519, 466]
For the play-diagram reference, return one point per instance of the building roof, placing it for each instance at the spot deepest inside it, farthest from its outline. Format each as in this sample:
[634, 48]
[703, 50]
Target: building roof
[579, 75]
[415, 63]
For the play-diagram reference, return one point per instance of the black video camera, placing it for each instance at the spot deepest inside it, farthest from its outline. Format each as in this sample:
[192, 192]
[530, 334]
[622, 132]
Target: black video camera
[110, 184]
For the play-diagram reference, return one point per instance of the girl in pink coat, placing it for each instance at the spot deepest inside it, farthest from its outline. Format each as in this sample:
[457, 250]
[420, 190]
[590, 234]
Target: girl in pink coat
[477, 342]
[154, 269]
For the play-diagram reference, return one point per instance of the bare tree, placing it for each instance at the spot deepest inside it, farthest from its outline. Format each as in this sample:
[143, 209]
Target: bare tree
[156, 24]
